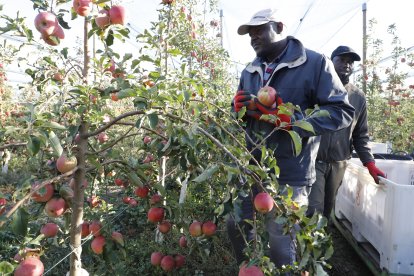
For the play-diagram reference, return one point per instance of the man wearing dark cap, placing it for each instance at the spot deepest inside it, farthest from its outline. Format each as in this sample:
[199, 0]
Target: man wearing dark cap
[304, 78]
[336, 147]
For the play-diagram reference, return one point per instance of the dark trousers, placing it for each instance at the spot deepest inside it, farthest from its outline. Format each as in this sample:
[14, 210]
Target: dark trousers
[329, 177]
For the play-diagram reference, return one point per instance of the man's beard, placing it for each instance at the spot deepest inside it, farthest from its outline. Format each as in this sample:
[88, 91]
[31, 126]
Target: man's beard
[344, 78]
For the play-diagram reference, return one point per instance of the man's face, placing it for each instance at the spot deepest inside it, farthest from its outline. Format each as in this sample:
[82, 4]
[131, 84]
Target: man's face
[343, 65]
[262, 37]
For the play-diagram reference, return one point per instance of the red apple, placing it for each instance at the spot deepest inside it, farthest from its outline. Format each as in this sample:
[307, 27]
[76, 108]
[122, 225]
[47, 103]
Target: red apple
[209, 228]
[155, 214]
[103, 137]
[65, 164]
[179, 260]
[95, 228]
[182, 242]
[98, 244]
[57, 76]
[250, 271]
[119, 182]
[167, 263]
[49, 229]
[126, 199]
[195, 229]
[45, 23]
[85, 229]
[3, 202]
[156, 258]
[82, 7]
[30, 266]
[267, 96]
[117, 15]
[133, 202]
[263, 202]
[141, 192]
[114, 96]
[155, 199]
[147, 139]
[93, 201]
[58, 32]
[55, 207]
[149, 83]
[149, 158]
[116, 236]
[164, 226]
[111, 67]
[102, 19]
[44, 194]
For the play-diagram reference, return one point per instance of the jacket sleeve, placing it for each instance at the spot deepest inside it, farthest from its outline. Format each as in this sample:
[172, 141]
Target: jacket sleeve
[330, 95]
[360, 135]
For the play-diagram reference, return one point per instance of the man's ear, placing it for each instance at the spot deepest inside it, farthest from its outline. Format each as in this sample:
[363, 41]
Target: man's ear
[279, 27]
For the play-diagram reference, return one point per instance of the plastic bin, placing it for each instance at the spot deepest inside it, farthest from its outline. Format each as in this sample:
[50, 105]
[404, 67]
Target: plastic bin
[382, 215]
[379, 147]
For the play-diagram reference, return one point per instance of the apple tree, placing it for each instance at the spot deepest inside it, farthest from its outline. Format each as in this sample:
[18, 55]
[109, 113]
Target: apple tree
[147, 136]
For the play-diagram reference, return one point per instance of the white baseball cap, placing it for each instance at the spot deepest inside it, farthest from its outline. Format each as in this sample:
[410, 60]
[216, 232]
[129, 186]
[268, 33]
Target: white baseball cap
[259, 18]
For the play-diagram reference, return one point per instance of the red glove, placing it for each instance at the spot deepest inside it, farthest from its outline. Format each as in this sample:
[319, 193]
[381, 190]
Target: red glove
[374, 171]
[274, 110]
[243, 98]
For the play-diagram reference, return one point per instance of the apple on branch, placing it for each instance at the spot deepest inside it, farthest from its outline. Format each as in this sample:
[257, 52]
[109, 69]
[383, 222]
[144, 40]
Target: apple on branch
[103, 20]
[45, 23]
[82, 7]
[117, 15]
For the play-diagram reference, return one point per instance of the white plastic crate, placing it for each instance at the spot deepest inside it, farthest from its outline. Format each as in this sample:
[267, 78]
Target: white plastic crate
[382, 215]
[379, 147]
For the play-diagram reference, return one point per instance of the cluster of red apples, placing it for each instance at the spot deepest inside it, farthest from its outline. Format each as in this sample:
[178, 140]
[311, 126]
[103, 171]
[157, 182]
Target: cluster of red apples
[51, 32]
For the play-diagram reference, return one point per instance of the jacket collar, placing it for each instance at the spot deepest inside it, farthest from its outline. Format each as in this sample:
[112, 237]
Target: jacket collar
[294, 56]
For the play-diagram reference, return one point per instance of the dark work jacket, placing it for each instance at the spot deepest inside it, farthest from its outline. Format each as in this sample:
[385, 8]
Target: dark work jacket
[304, 78]
[338, 146]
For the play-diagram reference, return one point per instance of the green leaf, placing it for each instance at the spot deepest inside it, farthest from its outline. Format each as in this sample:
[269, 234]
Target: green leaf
[135, 180]
[305, 125]
[64, 52]
[109, 40]
[33, 144]
[153, 119]
[37, 240]
[320, 271]
[329, 252]
[55, 143]
[19, 222]
[146, 58]
[206, 174]
[125, 93]
[6, 268]
[320, 113]
[297, 141]
[127, 57]
[53, 125]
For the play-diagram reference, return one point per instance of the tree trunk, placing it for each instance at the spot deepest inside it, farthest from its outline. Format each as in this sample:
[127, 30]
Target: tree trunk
[79, 189]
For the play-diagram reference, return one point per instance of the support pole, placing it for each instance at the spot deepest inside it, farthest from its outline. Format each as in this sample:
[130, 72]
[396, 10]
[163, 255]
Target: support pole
[364, 47]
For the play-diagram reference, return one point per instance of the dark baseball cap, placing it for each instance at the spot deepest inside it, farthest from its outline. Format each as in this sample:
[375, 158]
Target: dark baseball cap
[345, 50]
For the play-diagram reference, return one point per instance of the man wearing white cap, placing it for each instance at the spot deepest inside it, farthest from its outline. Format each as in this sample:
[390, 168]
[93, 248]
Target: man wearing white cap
[305, 79]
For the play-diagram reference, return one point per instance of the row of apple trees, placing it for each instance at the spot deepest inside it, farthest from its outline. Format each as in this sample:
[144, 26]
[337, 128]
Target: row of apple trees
[390, 91]
[128, 163]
